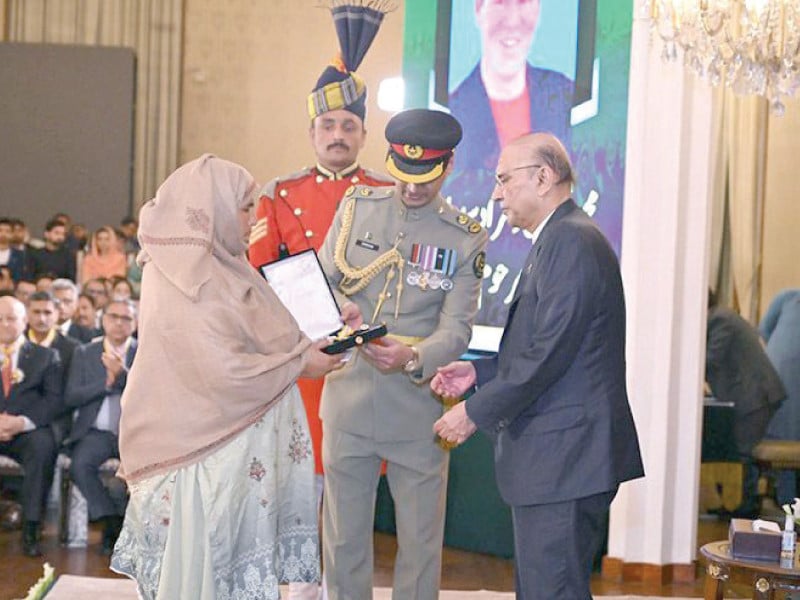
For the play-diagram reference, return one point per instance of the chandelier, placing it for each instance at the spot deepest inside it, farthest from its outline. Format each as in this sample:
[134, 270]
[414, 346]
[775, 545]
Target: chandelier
[753, 46]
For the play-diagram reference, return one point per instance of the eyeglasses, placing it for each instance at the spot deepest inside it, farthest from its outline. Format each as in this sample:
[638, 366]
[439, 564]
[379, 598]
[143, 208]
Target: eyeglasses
[503, 178]
[123, 318]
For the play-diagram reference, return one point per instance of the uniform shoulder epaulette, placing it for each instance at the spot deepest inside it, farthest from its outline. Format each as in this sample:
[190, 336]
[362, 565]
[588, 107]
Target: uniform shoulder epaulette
[369, 192]
[378, 176]
[270, 187]
[459, 219]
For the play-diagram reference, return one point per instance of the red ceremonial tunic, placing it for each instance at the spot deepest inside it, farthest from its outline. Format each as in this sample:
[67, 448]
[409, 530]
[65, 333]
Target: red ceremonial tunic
[297, 211]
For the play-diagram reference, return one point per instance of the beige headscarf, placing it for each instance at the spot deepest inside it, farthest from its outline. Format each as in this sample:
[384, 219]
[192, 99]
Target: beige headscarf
[217, 349]
[113, 263]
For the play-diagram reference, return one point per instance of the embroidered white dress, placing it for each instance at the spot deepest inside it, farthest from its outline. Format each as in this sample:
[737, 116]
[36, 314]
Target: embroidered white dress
[232, 526]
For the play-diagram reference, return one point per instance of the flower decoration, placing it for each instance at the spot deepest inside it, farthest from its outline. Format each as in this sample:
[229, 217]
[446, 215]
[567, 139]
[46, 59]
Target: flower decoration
[41, 587]
[17, 376]
[793, 510]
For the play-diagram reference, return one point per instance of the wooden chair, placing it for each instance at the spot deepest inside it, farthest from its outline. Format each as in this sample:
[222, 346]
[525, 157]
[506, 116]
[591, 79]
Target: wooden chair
[772, 455]
[73, 504]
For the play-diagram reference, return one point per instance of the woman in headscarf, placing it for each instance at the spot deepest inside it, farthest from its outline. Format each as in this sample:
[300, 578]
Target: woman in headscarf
[213, 439]
[104, 259]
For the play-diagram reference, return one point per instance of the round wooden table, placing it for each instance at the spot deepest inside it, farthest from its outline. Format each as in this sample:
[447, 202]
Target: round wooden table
[764, 577]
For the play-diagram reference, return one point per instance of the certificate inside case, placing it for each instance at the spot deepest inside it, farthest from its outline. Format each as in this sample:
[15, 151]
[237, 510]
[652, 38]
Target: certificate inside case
[300, 283]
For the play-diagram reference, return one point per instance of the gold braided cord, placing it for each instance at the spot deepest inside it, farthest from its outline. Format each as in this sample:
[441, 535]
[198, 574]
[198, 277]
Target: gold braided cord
[356, 279]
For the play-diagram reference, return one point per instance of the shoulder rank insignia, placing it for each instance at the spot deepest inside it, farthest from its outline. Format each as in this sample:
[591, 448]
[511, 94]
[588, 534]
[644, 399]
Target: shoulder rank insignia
[462, 220]
[373, 193]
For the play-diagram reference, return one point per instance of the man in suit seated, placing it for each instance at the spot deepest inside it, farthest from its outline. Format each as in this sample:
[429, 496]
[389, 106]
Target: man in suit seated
[96, 380]
[66, 292]
[42, 331]
[739, 371]
[30, 398]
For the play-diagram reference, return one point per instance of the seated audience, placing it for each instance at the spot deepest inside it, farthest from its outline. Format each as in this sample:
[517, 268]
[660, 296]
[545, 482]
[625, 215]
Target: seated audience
[97, 378]
[21, 236]
[29, 401]
[43, 331]
[78, 238]
[86, 313]
[54, 257]
[10, 257]
[130, 228]
[25, 287]
[66, 292]
[104, 258]
[739, 371]
[98, 289]
[780, 327]
[44, 282]
[121, 288]
[6, 280]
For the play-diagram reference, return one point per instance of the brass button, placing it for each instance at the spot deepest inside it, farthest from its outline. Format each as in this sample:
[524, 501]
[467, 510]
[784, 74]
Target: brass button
[284, 193]
[320, 179]
[298, 212]
[309, 233]
[354, 179]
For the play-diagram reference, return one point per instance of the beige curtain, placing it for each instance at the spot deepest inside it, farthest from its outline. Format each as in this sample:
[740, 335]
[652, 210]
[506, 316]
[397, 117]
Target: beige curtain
[154, 30]
[738, 200]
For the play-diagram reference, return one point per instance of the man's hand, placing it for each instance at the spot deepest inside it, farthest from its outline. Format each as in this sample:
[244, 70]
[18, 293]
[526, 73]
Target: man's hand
[453, 379]
[387, 354]
[318, 364]
[455, 426]
[10, 426]
[114, 365]
[351, 315]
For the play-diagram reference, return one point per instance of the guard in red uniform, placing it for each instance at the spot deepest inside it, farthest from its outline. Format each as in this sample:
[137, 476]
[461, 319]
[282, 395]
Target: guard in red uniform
[294, 212]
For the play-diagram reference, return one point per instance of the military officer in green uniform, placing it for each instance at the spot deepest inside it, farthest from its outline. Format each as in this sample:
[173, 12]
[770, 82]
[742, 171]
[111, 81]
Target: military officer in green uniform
[404, 257]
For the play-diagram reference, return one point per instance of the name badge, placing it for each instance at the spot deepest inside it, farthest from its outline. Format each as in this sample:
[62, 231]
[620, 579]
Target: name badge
[367, 245]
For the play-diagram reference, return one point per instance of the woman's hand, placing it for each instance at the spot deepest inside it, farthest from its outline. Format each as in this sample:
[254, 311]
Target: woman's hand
[317, 363]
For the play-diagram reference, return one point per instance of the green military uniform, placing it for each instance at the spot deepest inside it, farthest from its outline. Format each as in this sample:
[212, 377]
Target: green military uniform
[369, 416]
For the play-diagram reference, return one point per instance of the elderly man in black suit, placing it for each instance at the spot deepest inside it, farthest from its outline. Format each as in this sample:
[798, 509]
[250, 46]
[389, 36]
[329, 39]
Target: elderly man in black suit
[96, 381]
[30, 398]
[554, 398]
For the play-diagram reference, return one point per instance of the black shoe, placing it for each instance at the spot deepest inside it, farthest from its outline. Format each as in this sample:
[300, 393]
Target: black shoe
[30, 539]
[111, 530]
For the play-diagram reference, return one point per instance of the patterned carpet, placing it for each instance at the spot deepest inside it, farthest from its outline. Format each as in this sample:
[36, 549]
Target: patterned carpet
[71, 587]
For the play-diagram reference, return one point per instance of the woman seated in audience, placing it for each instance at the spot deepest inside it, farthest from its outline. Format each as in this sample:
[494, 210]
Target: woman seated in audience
[104, 258]
[214, 442]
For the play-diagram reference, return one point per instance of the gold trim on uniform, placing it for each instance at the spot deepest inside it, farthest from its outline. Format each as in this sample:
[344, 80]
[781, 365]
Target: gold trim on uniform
[349, 191]
[366, 192]
[434, 173]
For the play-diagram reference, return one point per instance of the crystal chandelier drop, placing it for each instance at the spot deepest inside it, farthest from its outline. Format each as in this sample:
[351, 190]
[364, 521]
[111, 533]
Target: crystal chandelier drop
[753, 46]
